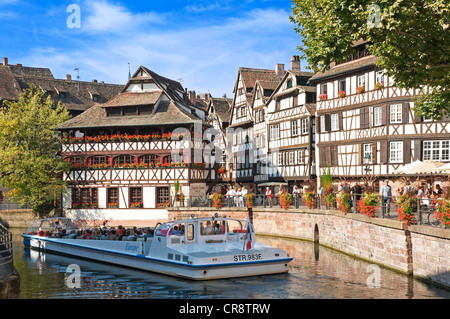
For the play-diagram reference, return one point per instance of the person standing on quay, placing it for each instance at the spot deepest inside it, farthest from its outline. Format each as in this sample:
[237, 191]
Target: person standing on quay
[386, 192]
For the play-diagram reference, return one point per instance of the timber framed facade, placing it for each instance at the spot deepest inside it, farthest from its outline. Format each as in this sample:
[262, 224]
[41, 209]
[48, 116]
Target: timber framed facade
[367, 127]
[128, 153]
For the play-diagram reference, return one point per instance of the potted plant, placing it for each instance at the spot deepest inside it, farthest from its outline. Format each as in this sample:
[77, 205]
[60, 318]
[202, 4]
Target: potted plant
[368, 204]
[327, 184]
[136, 204]
[360, 89]
[343, 202]
[341, 94]
[285, 200]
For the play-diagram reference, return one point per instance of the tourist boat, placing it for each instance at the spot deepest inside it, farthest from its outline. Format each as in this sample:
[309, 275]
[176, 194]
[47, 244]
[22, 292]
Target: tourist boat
[194, 248]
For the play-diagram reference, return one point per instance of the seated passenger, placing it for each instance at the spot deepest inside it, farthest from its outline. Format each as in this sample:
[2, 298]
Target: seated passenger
[175, 231]
[41, 232]
[209, 230]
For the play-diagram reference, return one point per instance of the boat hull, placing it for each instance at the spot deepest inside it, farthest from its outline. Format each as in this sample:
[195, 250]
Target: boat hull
[135, 257]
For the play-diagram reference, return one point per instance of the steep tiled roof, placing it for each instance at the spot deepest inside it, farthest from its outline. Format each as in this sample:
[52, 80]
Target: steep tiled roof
[75, 99]
[131, 98]
[9, 87]
[77, 96]
[222, 108]
[171, 107]
[265, 77]
[336, 70]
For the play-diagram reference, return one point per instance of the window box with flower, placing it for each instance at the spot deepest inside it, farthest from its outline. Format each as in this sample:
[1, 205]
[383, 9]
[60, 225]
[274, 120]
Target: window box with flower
[136, 204]
[323, 96]
[360, 89]
[379, 85]
[341, 94]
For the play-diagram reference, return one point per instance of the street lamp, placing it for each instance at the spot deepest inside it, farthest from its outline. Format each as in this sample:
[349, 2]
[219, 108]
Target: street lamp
[367, 161]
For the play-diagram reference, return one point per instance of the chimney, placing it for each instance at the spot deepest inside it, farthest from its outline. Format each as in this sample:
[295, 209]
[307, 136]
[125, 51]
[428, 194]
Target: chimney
[224, 96]
[191, 96]
[18, 64]
[68, 77]
[295, 63]
[94, 81]
[279, 69]
[5, 61]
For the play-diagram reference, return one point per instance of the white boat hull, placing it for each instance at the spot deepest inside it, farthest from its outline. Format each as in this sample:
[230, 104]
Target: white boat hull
[133, 254]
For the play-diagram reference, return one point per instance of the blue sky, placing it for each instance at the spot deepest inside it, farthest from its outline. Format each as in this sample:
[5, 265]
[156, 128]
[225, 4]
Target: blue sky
[199, 43]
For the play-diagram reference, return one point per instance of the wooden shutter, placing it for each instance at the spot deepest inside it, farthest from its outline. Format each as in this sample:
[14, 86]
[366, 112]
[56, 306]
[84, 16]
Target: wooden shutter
[361, 154]
[295, 100]
[334, 155]
[341, 120]
[374, 152]
[327, 122]
[384, 152]
[407, 151]
[318, 124]
[405, 113]
[364, 117]
[384, 114]
[417, 150]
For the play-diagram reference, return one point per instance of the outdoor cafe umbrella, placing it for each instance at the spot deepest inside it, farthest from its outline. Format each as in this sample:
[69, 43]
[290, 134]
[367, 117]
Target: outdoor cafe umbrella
[426, 167]
[407, 167]
[444, 169]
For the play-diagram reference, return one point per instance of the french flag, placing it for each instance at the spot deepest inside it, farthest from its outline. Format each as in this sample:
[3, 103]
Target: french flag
[249, 237]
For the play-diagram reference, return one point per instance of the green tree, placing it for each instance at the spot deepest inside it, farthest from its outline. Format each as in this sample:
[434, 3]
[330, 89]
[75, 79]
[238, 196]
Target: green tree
[410, 37]
[29, 163]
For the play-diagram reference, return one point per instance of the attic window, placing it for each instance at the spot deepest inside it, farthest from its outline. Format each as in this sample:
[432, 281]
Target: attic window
[129, 111]
[145, 109]
[62, 95]
[289, 84]
[95, 97]
[114, 111]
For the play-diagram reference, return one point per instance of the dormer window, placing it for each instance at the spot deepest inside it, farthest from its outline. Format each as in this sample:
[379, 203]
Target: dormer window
[95, 98]
[289, 84]
[62, 95]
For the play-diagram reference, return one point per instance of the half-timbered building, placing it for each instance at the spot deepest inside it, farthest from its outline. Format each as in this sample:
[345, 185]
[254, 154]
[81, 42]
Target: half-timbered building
[366, 125]
[240, 130]
[291, 128]
[128, 153]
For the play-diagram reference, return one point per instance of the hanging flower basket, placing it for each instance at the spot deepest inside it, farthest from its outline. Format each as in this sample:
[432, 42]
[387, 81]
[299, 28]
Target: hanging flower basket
[310, 200]
[285, 200]
[343, 202]
[330, 200]
[406, 206]
[250, 199]
[217, 200]
[442, 211]
[368, 204]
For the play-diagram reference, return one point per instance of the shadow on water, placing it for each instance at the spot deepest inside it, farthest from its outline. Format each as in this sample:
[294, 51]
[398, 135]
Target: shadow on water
[314, 273]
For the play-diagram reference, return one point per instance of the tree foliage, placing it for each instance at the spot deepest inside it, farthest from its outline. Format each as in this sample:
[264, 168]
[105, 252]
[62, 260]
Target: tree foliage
[29, 163]
[410, 37]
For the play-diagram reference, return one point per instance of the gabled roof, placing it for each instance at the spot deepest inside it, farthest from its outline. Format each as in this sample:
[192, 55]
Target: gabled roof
[298, 75]
[266, 78]
[343, 68]
[9, 87]
[172, 108]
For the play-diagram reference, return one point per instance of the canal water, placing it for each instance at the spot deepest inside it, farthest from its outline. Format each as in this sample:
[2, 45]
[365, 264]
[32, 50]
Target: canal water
[315, 273]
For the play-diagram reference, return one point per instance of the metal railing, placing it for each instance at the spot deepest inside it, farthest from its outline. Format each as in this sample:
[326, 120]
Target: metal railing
[6, 252]
[423, 209]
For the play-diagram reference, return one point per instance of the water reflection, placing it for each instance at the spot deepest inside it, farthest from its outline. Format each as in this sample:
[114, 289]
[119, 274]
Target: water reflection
[315, 272]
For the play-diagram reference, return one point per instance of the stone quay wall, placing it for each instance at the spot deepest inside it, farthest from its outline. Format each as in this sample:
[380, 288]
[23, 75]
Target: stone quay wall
[421, 251]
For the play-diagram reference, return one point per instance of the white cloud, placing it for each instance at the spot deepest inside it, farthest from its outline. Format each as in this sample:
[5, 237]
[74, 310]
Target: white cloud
[101, 16]
[198, 8]
[205, 57]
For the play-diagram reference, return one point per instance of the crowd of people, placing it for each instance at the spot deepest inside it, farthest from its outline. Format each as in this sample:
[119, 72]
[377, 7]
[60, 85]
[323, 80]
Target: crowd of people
[102, 233]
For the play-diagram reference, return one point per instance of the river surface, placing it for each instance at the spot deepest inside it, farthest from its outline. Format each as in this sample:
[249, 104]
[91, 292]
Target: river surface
[315, 273]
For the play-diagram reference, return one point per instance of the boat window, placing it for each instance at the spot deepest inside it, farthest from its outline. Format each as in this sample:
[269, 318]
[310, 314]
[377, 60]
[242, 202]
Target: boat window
[190, 232]
[211, 227]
